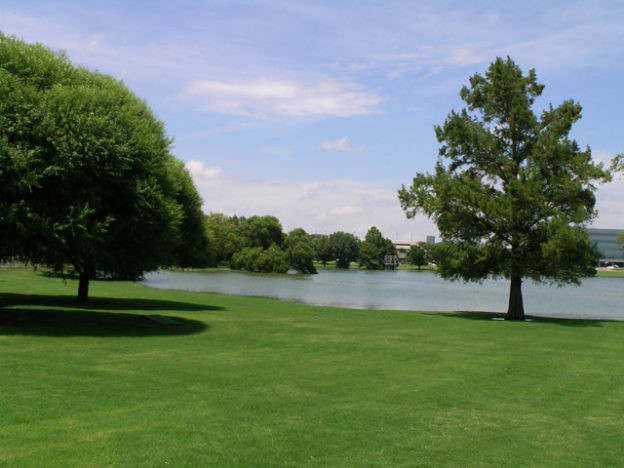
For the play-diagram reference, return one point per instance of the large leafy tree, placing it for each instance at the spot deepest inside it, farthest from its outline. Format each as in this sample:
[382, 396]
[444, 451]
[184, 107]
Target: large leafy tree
[322, 249]
[86, 176]
[223, 232]
[345, 248]
[261, 231]
[374, 248]
[511, 191]
[299, 246]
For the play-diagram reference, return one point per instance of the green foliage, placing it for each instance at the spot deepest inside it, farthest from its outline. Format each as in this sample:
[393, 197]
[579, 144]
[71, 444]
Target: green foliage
[261, 231]
[441, 252]
[297, 251]
[620, 239]
[374, 248]
[86, 177]
[322, 249]
[417, 255]
[617, 164]
[223, 231]
[345, 248]
[257, 259]
[510, 192]
[262, 239]
[298, 244]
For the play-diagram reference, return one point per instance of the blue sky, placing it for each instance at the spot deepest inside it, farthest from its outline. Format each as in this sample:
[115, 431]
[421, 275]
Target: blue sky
[317, 112]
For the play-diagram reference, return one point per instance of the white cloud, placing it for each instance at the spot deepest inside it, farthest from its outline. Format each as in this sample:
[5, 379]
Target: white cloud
[265, 97]
[610, 205]
[609, 197]
[340, 144]
[200, 172]
[321, 206]
[326, 206]
[346, 210]
[465, 56]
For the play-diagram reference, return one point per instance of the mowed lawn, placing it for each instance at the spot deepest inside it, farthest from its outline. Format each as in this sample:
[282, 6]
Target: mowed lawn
[257, 382]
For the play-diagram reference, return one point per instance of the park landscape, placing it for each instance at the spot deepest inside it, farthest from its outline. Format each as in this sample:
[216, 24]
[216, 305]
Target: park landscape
[100, 370]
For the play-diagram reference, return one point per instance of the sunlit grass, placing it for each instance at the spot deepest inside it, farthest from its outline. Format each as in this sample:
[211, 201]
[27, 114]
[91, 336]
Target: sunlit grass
[258, 382]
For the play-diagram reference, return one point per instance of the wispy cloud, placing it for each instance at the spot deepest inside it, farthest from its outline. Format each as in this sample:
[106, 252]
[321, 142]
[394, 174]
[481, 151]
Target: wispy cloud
[346, 210]
[266, 97]
[319, 206]
[200, 171]
[340, 144]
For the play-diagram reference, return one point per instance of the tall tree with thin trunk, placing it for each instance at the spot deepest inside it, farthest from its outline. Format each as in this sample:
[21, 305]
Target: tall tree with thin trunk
[511, 192]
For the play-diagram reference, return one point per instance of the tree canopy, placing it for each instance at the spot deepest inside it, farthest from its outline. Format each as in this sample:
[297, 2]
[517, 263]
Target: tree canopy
[322, 249]
[511, 192]
[224, 236]
[261, 231]
[345, 248]
[300, 251]
[417, 254]
[86, 176]
[374, 248]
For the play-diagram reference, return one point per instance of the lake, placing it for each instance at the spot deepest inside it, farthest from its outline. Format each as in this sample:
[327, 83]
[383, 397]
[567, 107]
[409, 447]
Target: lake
[597, 298]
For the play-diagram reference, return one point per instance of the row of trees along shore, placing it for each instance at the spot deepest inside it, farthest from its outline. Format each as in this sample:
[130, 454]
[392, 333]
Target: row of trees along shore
[259, 244]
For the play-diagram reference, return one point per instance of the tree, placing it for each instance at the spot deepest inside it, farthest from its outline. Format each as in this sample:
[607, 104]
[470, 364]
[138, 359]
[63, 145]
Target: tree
[620, 239]
[261, 231]
[257, 259]
[417, 255]
[374, 248]
[300, 251]
[322, 249]
[345, 248]
[223, 231]
[511, 191]
[441, 252]
[87, 179]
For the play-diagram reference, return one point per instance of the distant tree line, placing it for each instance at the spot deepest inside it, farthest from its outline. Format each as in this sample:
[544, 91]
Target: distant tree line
[259, 244]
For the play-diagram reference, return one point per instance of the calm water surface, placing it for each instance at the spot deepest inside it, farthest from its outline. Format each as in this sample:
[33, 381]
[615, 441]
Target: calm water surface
[597, 298]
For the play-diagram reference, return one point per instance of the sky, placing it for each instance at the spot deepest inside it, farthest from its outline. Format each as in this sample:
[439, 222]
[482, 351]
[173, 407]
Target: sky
[317, 112]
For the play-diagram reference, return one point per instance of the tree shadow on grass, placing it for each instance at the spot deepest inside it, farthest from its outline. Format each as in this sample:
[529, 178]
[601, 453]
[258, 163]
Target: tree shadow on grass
[22, 314]
[470, 315]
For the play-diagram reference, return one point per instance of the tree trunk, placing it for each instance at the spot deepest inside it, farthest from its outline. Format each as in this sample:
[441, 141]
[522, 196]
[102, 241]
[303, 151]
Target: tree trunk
[516, 308]
[83, 283]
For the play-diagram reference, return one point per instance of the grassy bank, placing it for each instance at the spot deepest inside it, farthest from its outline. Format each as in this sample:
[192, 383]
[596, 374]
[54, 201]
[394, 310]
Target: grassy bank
[619, 273]
[257, 382]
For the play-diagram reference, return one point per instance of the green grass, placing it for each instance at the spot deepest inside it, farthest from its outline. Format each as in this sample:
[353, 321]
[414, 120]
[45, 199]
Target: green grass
[258, 382]
[611, 273]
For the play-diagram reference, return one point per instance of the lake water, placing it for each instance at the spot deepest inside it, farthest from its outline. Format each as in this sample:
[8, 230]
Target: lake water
[597, 298]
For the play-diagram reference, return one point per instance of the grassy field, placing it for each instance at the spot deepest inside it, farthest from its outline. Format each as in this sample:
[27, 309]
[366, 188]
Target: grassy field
[257, 382]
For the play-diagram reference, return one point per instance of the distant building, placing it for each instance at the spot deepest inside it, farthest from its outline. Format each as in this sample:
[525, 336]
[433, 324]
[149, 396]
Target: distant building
[430, 240]
[402, 249]
[610, 251]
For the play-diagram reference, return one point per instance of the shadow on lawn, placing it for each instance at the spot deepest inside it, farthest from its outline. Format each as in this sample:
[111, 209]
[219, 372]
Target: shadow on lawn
[22, 314]
[469, 315]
